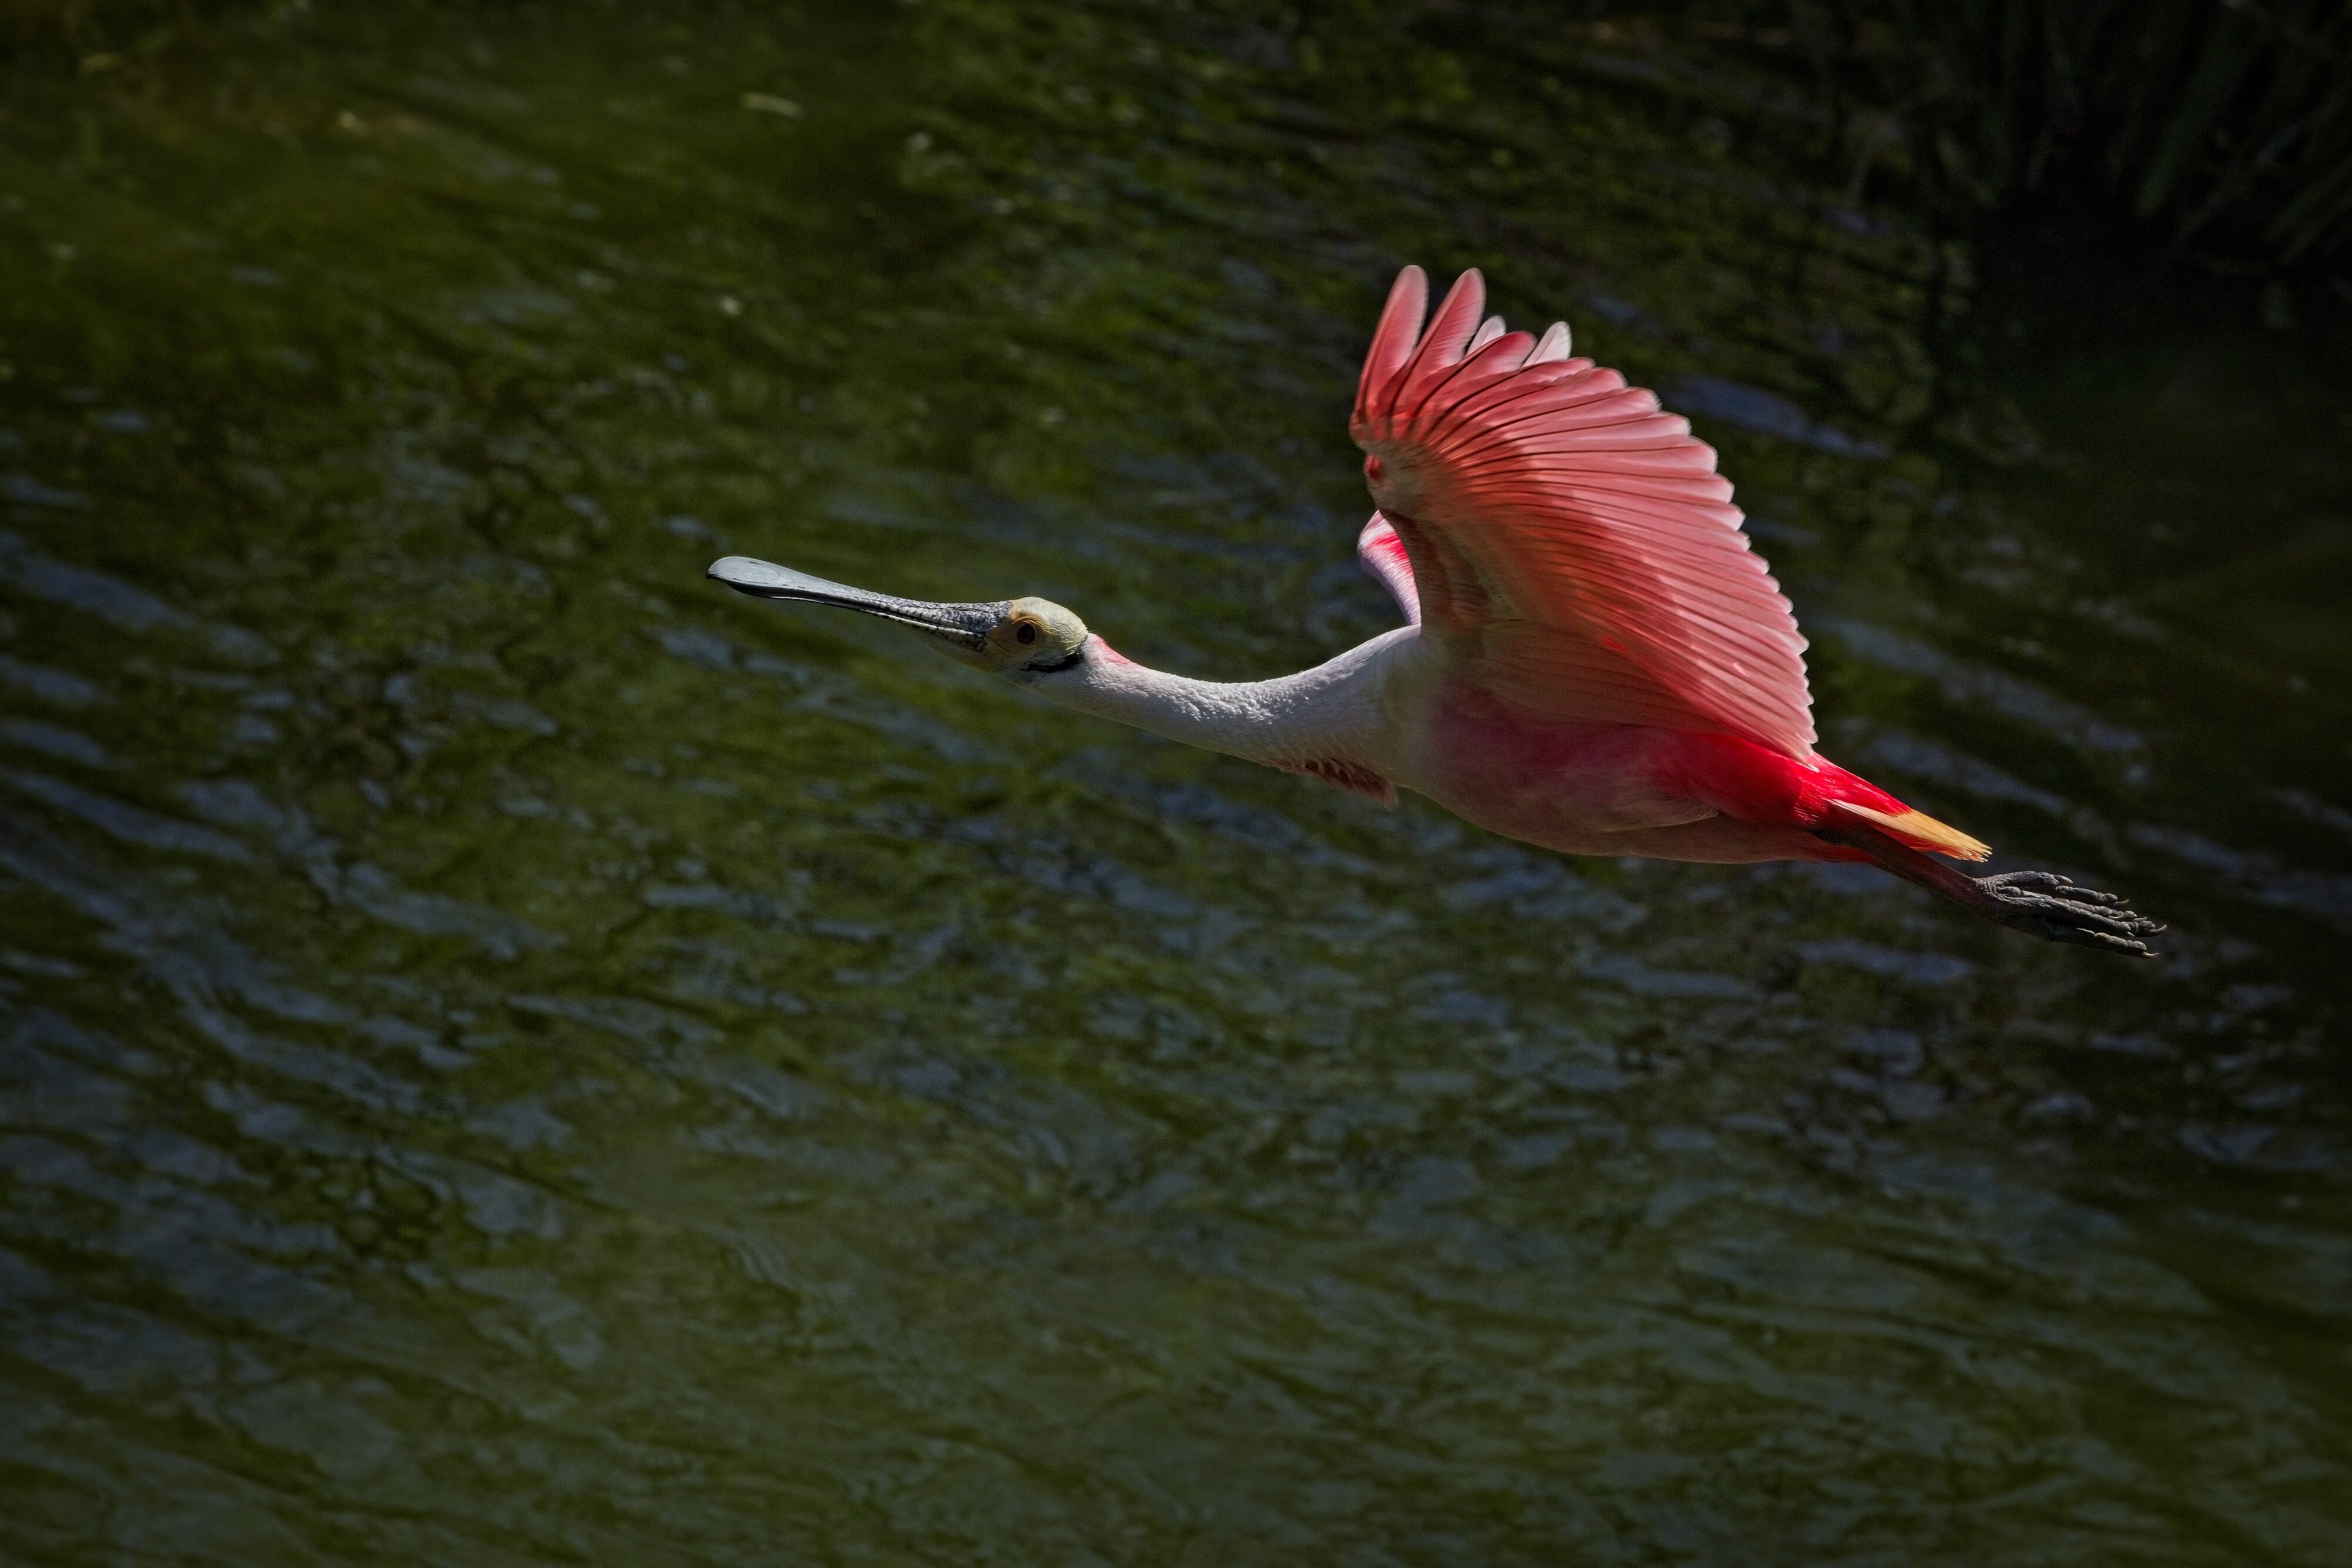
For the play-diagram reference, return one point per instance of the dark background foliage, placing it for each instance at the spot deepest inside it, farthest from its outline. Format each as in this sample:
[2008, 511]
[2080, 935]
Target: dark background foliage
[2212, 128]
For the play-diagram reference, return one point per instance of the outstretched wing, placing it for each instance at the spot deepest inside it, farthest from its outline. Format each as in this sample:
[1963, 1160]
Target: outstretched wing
[1573, 549]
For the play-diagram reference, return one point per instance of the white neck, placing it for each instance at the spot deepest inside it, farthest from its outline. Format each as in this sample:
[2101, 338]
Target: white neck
[1339, 711]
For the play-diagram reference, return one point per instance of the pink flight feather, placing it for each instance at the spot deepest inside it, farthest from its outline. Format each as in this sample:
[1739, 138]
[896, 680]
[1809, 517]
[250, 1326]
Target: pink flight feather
[1572, 546]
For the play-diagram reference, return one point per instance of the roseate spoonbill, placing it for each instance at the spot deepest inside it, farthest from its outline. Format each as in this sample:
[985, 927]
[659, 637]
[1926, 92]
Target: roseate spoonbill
[1594, 660]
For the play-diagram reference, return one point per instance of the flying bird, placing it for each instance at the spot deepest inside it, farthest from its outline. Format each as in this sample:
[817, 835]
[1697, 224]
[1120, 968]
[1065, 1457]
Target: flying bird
[1594, 659]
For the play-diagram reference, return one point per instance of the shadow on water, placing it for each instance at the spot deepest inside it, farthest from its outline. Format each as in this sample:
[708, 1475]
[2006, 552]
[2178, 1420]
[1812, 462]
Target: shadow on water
[512, 1052]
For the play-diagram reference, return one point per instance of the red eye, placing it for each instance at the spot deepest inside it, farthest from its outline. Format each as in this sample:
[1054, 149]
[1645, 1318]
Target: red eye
[1027, 634]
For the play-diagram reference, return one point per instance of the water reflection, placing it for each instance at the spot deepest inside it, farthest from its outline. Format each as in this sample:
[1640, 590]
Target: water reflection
[510, 1051]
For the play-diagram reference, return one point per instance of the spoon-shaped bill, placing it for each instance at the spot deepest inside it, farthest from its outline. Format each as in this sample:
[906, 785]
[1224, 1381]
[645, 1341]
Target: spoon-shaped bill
[966, 626]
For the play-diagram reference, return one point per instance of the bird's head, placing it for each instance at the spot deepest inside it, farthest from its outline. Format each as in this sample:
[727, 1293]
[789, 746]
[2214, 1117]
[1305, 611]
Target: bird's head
[1020, 639]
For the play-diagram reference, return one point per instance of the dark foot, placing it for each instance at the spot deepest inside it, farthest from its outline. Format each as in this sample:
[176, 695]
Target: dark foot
[2044, 904]
[2039, 902]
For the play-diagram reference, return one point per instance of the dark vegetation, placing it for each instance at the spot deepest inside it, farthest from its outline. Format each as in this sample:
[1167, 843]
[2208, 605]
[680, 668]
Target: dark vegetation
[2214, 131]
[2214, 127]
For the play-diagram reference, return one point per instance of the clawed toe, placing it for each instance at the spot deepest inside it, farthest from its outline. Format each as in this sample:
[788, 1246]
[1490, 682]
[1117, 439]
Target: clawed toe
[2048, 882]
[2040, 881]
[2045, 905]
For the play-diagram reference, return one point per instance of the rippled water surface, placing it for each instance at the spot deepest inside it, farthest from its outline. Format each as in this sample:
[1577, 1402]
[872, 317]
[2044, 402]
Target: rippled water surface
[514, 1054]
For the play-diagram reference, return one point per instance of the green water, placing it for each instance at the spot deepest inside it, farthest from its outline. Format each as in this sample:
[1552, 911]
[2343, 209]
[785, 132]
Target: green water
[514, 1054]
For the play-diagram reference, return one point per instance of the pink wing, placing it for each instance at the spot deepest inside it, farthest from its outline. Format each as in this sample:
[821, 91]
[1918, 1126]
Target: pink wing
[1574, 549]
[1381, 554]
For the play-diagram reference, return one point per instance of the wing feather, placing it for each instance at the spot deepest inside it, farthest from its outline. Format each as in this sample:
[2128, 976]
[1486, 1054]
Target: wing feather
[1394, 338]
[1571, 545]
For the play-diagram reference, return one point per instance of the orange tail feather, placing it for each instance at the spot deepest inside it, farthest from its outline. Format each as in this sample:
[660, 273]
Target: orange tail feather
[1921, 830]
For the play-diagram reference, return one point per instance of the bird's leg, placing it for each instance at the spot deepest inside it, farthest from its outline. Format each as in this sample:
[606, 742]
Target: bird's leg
[2039, 903]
